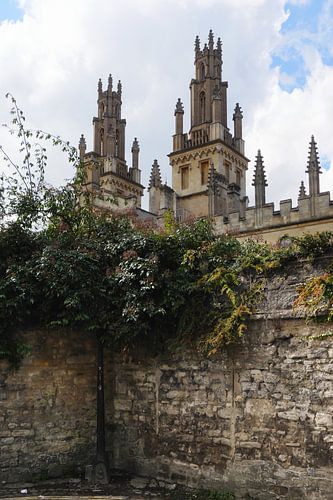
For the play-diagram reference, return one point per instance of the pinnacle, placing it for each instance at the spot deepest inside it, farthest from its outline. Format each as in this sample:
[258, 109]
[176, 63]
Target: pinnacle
[313, 157]
[259, 171]
[110, 81]
[211, 39]
[238, 113]
[179, 106]
[302, 191]
[155, 175]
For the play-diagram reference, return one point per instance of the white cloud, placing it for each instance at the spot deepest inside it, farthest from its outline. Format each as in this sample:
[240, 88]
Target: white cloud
[54, 56]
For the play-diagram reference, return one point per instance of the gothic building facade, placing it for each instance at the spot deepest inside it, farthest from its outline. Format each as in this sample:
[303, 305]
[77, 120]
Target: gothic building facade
[208, 165]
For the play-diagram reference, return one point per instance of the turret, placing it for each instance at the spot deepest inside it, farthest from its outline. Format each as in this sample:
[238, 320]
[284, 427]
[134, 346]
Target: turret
[313, 168]
[82, 147]
[259, 181]
[109, 127]
[208, 67]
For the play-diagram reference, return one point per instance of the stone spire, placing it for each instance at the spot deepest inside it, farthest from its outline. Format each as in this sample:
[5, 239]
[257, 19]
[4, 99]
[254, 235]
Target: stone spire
[155, 176]
[302, 191]
[259, 181]
[82, 147]
[313, 168]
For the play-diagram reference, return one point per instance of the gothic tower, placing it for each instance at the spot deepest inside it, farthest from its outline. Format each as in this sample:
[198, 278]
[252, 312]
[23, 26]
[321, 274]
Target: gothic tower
[209, 149]
[106, 172]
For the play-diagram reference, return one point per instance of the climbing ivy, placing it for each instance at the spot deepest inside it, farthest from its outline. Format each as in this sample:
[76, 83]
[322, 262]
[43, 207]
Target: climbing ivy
[64, 266]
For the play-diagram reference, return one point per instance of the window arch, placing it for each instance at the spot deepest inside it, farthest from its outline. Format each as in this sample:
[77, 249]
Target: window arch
[202, 72]
[202, 107]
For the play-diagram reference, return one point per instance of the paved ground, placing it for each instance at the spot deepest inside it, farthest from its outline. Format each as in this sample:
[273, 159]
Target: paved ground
[120, 488]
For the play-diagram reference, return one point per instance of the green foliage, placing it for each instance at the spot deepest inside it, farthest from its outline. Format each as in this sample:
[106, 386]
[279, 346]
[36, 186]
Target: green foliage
[64, 266]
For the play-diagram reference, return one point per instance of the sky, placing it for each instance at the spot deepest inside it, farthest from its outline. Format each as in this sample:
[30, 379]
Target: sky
[278, 60]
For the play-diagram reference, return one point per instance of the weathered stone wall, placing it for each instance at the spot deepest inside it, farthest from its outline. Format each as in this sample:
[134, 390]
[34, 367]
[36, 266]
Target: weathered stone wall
[256, 420]
[47, 416]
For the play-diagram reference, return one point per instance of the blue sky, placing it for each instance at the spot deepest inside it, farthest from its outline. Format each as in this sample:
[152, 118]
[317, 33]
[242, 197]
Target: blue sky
[9, 10]
[308, 25]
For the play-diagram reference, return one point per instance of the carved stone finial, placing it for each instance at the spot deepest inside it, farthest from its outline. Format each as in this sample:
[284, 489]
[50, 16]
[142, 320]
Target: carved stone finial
[219, 45]
[100, 86]
[110, 82]
[211, 40]
[179, 107]
[238, 113]
[119, 88]
[302, 191]
[135, 145]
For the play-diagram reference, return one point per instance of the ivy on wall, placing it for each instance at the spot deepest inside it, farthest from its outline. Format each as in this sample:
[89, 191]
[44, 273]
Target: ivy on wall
[64, 266]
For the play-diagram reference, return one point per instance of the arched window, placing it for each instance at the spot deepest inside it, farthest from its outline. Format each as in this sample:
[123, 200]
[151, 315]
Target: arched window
[218, 71]
[202, 71]
[102, 142]
[202, 107]
[101, 110]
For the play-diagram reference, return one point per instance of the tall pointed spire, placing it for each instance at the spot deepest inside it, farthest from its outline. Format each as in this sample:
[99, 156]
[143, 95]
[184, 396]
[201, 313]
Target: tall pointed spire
[302, 191]
[155, 175]
[313, 168]
[259, 181]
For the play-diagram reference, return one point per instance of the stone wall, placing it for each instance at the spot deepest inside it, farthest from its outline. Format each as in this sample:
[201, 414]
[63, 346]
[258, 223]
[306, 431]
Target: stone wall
[47, 417]
[256, 420]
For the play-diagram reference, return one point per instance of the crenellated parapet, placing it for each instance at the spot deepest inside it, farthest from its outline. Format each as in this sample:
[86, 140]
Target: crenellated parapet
[313, 213]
